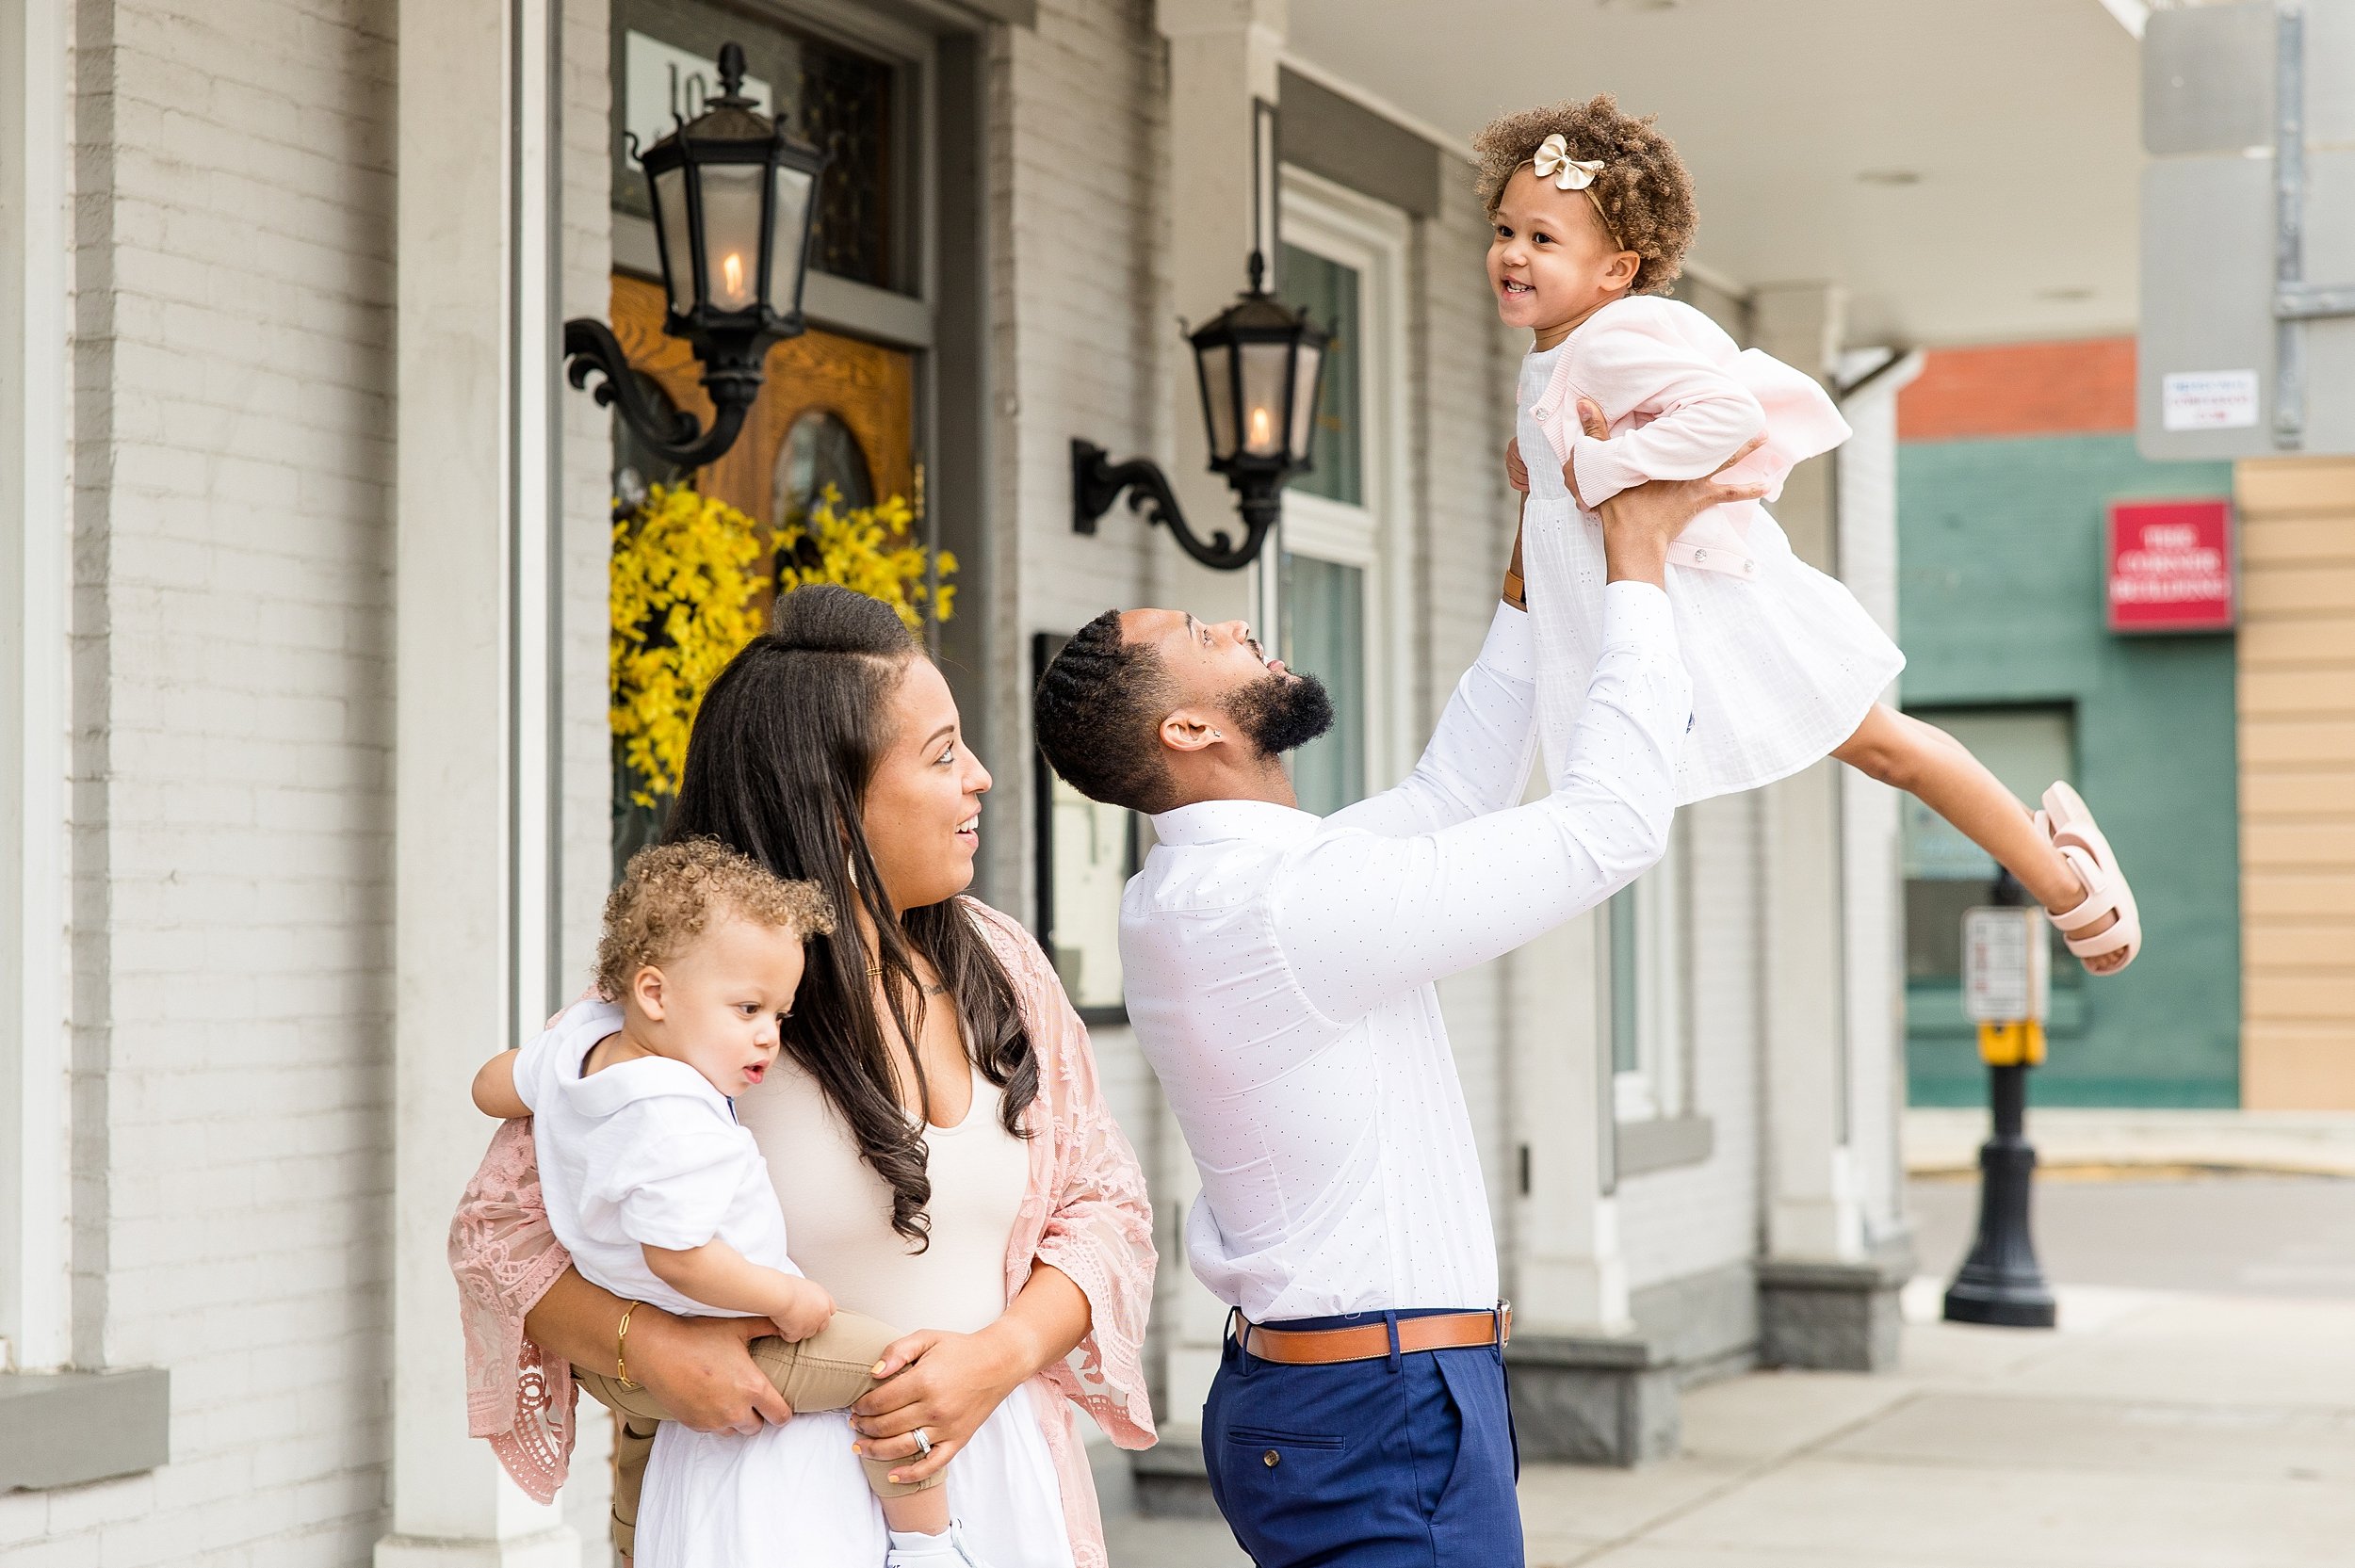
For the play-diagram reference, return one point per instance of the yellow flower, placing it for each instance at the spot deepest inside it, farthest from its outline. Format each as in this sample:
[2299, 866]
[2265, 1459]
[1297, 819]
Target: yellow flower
[687, 572]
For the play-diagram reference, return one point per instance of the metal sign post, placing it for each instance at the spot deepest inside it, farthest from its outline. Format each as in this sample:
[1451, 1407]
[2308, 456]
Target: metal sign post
[2007, 958]
[2249, 118]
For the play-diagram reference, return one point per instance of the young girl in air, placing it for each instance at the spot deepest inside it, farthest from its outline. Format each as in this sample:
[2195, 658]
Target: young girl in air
[661, 1197]
[1592, 212]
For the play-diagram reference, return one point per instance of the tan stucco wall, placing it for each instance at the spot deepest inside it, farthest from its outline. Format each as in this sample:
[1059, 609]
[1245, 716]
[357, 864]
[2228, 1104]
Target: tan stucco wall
[2298, 783]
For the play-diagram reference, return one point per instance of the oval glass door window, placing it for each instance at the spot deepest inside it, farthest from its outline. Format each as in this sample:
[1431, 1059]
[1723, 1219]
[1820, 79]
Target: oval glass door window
[819, 450]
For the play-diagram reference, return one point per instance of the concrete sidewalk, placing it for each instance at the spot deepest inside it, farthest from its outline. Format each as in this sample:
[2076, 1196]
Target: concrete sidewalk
[2156, 1429]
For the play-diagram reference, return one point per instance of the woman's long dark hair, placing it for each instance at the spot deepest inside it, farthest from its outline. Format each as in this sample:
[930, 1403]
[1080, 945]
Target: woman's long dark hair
[784, 747]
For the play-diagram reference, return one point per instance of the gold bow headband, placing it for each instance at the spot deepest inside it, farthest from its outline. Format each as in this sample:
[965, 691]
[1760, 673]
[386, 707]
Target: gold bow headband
[1553, 161]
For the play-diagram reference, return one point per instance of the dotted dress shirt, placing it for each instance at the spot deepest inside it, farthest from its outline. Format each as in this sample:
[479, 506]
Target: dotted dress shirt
[1280, 973]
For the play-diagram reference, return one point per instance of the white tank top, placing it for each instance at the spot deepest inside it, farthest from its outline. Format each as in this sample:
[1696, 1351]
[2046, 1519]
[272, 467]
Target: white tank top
[837, 1211]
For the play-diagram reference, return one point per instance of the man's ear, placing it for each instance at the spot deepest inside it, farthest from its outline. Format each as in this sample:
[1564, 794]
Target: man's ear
[645, 987]
[1191, 730]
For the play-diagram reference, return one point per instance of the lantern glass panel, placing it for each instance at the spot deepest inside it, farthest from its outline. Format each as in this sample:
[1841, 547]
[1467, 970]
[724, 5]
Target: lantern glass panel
[732, 236]
[1217, 362]
[670, 195]
[789, 224]
[1266, 419]
[1304, 401]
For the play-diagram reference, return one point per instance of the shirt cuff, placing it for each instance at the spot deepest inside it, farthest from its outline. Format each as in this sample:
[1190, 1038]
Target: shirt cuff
[1511, 650]
[1637, 615]
[1598, 477]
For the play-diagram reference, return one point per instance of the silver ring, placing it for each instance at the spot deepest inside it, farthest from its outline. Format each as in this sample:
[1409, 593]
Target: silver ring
[923, 1445]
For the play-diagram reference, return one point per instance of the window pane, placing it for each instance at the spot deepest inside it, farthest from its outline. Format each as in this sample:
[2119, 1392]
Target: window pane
[1324, 636]
[1945, 873]
[1626, 1054]
[732, 233]
[846, 110]
[1328, 292]
[680, 256]
[789, 214]
[819, 450]
[1090, 862]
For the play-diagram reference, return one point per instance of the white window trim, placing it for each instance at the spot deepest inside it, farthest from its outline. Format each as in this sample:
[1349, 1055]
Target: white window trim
[1372, 237]
[35, 1322]
[1656, 1087]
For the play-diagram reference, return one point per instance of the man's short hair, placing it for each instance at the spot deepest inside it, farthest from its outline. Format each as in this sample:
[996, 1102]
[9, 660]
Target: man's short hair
[1098, 717]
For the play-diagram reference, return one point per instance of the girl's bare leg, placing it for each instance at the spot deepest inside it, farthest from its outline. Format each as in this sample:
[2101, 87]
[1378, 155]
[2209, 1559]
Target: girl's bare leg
[1940, 771]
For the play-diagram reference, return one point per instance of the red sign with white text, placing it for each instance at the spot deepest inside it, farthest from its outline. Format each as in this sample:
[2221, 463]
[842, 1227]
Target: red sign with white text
[2170, 566]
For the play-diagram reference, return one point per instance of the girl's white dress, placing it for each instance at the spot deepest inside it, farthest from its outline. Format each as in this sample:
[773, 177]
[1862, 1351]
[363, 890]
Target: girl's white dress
[1784, 661]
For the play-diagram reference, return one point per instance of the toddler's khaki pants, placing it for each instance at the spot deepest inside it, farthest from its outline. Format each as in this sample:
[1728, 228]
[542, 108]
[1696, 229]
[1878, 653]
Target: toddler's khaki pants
[826, 1371]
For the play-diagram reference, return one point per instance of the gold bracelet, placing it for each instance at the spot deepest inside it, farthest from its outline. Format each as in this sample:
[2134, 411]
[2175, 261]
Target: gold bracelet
[620, 1350]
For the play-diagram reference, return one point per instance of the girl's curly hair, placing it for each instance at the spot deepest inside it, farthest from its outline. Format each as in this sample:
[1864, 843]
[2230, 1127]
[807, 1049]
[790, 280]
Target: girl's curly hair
[1642, 190]
[671, 893]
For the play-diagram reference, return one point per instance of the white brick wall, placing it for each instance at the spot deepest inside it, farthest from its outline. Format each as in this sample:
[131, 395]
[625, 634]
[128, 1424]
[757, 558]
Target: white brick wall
[232, 816]
[232, 267]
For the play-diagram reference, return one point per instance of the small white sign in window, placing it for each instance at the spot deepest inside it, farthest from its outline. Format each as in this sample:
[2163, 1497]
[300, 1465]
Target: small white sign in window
[2208, 400]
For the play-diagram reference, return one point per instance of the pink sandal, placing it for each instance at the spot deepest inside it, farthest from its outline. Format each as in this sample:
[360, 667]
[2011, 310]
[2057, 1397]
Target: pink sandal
[2070, 827]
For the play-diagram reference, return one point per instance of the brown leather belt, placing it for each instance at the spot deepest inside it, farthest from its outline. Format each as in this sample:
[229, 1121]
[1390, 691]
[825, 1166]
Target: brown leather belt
[1446, 1331]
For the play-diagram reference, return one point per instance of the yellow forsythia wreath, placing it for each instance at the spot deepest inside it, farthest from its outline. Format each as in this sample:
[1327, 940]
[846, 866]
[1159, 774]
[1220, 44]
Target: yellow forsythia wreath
[686, 579]
[871, 549]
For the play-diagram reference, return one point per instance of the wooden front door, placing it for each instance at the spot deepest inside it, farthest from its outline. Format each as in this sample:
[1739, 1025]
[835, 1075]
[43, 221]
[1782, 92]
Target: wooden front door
[831, 410]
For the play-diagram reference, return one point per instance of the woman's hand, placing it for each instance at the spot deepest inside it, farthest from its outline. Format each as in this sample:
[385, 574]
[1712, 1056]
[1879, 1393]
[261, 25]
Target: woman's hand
[700, 1369]
[946, 1383]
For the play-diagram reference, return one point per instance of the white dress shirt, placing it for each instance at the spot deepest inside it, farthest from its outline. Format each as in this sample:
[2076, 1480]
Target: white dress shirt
[1280, 973]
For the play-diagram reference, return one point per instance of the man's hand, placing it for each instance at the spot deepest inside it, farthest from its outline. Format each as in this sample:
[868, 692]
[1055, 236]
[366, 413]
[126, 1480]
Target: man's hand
[1638, 523]
[1516, 471]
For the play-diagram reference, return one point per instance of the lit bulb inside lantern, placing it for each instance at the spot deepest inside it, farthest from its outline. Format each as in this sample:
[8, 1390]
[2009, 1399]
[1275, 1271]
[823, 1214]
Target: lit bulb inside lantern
[732, 275]
[1262, 427]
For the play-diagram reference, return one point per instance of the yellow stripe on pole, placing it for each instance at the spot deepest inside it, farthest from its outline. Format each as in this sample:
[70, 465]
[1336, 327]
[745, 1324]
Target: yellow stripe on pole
[2012, 1044]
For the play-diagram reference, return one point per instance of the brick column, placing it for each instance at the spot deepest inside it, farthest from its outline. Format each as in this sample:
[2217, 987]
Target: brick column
[474, 868]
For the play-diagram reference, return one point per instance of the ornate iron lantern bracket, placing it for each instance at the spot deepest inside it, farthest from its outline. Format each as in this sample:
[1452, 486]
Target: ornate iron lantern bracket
[1097, 483]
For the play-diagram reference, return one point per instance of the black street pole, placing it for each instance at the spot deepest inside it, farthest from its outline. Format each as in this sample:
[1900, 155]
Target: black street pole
[2000, 1282]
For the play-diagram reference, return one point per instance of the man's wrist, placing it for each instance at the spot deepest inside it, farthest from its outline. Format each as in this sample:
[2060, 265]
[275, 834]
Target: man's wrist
[1635, 555]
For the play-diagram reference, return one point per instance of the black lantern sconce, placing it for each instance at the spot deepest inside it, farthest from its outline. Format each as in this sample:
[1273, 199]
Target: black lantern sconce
[1259, 364]
[735, 201]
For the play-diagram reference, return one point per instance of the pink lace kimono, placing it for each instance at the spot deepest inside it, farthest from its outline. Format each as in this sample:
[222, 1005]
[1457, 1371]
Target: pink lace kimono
[1085, 1214]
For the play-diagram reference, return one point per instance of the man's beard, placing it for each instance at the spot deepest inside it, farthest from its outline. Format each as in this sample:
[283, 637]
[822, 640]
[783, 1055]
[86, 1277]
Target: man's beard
[1282, 713]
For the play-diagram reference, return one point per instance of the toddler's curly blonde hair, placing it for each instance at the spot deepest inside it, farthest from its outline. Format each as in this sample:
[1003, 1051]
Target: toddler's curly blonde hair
[1644, 191]
[670, 895]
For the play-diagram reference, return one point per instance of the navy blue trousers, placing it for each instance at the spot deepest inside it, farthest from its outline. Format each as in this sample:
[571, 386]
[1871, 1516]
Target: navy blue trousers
[1406, 1462]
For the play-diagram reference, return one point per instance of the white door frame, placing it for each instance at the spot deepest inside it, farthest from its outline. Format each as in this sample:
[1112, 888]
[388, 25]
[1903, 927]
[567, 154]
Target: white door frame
[1371, 238]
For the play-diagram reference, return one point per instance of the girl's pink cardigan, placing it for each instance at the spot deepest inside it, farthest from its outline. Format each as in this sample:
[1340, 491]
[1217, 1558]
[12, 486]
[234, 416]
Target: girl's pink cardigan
[1085, 1214]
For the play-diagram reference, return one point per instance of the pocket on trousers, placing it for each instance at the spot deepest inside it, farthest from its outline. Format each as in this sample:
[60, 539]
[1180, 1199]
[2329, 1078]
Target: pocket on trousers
[1281, 1491]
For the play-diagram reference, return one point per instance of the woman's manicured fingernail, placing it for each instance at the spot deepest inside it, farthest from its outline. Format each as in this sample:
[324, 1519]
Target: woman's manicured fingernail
[856, 1449]
[876, 1370]
[895, 1478]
